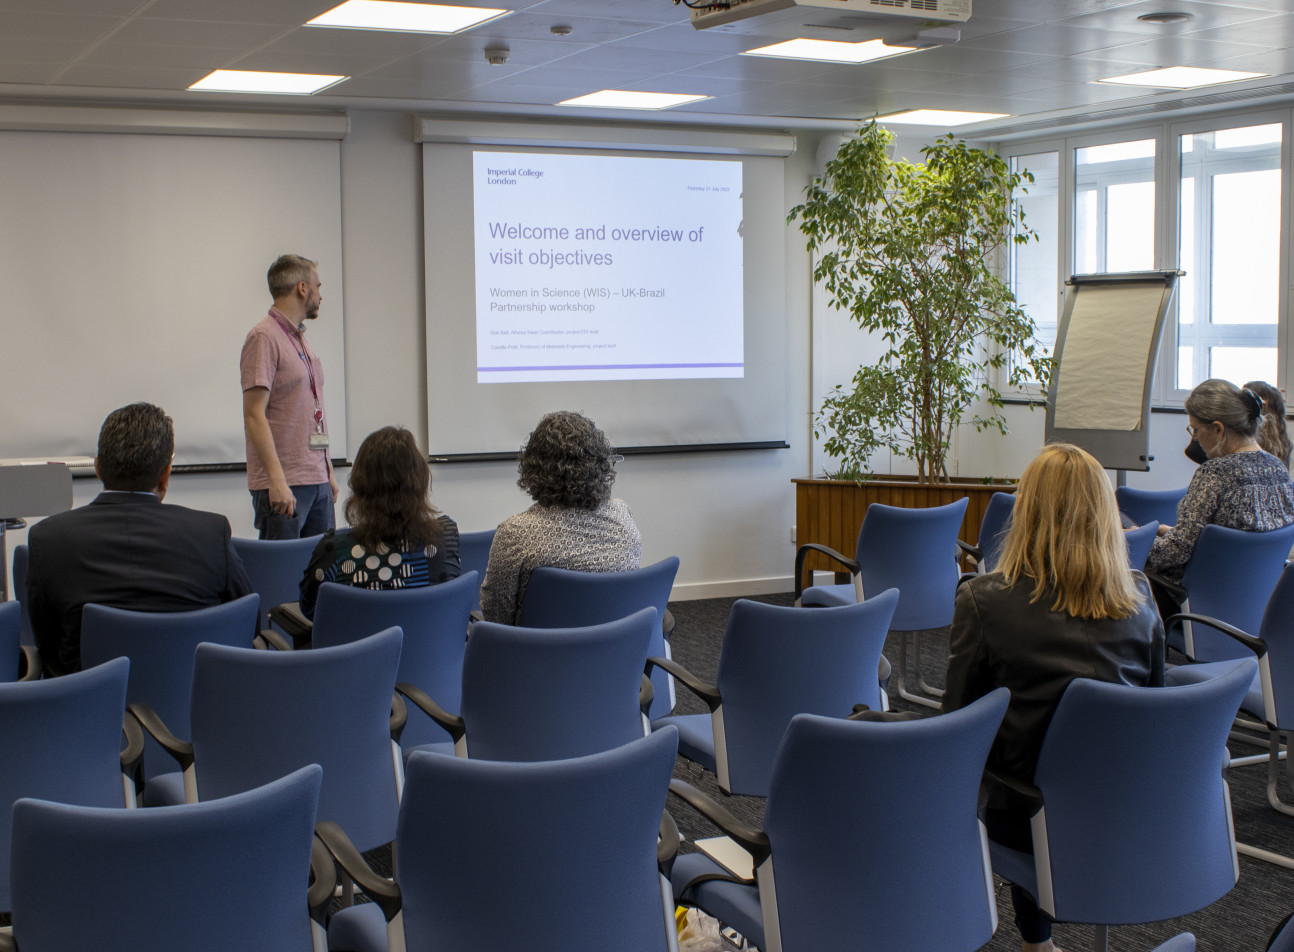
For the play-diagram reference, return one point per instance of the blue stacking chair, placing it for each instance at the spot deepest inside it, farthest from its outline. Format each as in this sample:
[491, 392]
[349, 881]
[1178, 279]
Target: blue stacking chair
[275, 567]
[474, 556]
[61, 739]
[555, 855]
[562, 598]
[913, 550]
[992, 532]
[18, 662]
[230, 874]
[1149, 505]
[258, 715]
[1131, 811]
[548, 694]
[845, 799]
[777, 662]
[160, 646]
[20, 592]
[1270, 697]
[1139, 541]
[434, 622]
[1230, 577]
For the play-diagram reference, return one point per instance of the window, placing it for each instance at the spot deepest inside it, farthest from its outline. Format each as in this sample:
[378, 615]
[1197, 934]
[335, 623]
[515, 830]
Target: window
[1035, 267]
[1219, 217]
[1229, 226]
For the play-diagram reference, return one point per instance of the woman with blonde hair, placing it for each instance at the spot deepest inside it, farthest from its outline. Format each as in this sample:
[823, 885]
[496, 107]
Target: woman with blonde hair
[1062, 604]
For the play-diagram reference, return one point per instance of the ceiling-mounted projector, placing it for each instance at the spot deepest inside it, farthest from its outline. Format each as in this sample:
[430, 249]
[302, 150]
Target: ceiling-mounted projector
[955, 10]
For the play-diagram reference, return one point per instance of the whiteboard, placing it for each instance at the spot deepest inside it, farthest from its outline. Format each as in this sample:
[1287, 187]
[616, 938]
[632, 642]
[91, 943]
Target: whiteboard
[1106, 349]
[132, 267]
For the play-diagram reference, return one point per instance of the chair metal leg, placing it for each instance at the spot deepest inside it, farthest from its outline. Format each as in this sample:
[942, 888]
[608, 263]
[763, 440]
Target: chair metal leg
[1266, 856]
[1273, 776]
[909, 639]
[1101, 943]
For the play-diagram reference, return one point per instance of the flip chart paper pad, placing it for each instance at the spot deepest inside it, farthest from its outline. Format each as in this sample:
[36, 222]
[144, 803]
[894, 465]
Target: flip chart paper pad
[1102, 373]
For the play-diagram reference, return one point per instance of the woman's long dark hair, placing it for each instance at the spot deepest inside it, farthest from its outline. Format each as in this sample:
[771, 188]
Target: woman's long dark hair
[390, 483]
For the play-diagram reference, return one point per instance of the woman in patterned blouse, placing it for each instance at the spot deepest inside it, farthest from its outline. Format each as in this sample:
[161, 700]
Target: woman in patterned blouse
[396, 538]
[568, 467]
[1238, 486]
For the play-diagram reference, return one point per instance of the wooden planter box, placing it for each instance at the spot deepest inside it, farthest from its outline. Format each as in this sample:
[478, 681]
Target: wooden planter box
[830, 511]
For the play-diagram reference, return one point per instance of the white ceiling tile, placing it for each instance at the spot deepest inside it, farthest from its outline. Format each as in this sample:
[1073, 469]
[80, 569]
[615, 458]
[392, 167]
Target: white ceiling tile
[154, 31]
[55, 26]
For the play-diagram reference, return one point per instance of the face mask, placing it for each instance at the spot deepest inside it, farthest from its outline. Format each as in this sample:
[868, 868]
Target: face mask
[1195, 453]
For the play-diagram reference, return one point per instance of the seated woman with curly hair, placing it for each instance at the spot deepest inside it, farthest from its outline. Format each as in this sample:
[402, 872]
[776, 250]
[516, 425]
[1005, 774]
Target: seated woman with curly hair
[567, 466]
[396, 537]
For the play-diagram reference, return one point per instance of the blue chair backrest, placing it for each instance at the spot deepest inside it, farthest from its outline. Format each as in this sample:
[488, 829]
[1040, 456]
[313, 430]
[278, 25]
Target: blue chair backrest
[1277, 630]
[552, 693]
[10, 638]
[434, 621]
[274, 567]
[1149, 505]
[992, 528]
[160, 646]
[777, 662]
[564, 598]
[913, 550]
[844, 792]
[258, 715]
[20, 591]
[1231, 576]
[204, 877]
[492, 851]
[1138, 817]
[474, 556]
[1139, 541]
[60, 739]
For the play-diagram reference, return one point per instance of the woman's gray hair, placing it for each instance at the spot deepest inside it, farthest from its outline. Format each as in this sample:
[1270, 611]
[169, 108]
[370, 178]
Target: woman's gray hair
[567, 462]
[1223, 402]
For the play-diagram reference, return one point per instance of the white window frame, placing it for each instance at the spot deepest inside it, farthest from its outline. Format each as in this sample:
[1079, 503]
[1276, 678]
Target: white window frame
[1165, 393]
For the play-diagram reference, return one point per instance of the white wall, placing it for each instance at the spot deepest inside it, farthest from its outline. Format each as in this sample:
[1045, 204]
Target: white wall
[727, 516]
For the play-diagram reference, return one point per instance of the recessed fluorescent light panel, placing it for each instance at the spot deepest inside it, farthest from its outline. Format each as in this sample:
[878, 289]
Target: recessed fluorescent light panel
[249, 81]
[831, 51]
[626, 99]
[937, 117]
[405, 17]
[1181, 77]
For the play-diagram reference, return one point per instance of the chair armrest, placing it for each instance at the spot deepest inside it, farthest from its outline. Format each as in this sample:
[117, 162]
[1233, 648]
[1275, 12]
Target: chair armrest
[268, 638]
[803, 552]
[473, 617]
[1025, 796]
[385, 892]
[181, 750]
[29, 668]
[323, 880]
[1173, 588]
[134, 748]
[1256, 645]
[706, 692]
[451, 722]
[972, 550]
[667, 843]
[753, 841]
[399, 716]
[667, 624]
[646, 694]
[7, 943]
[299, 628]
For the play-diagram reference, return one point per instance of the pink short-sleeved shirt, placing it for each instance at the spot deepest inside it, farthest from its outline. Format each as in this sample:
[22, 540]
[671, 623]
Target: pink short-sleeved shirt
[273, 360]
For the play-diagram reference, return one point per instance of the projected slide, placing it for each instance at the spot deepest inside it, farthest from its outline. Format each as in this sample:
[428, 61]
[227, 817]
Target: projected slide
[606, 267]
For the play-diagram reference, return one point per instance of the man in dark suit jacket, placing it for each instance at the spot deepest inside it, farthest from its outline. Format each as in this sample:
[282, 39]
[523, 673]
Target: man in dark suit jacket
[125, 548]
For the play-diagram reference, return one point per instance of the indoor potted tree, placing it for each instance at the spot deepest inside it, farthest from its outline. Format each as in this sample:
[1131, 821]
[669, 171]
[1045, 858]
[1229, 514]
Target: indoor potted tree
[910, 252]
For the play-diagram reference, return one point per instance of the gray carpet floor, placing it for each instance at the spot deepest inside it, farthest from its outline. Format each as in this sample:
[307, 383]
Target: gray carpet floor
[1241, 921]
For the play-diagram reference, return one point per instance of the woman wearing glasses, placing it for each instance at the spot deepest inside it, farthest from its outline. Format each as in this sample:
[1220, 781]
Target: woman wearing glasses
[1238, 485]
[568, 467]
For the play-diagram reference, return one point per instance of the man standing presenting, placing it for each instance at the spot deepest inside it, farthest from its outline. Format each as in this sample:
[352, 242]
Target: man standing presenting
[125, 548]
[289, 472]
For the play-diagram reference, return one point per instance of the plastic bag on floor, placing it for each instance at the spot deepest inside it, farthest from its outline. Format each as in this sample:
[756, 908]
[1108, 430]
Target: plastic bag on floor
[698, 932]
